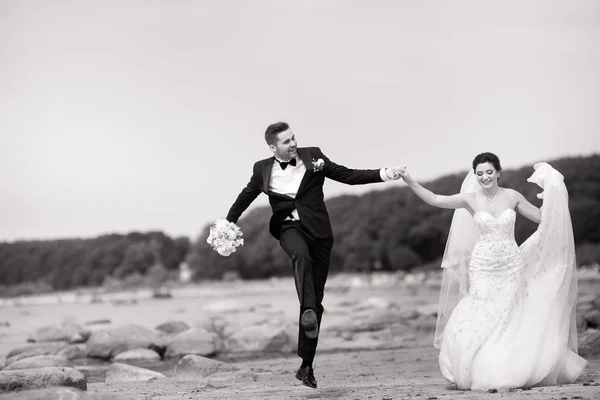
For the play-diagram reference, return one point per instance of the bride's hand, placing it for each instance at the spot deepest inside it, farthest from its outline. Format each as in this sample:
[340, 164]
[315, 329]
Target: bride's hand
[405, 175]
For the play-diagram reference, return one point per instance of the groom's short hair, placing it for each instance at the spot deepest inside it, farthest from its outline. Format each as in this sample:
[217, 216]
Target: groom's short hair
[273, 130]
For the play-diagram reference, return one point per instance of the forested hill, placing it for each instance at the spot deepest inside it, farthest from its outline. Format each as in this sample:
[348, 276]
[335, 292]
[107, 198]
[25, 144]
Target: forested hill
[392, 229]
[388, 229]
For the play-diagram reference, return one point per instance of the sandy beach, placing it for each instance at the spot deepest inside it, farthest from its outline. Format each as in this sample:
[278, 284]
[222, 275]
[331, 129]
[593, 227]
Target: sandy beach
[365, 351]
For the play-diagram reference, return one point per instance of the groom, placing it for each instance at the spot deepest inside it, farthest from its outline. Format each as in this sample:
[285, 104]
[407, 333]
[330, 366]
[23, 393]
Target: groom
[293, 179]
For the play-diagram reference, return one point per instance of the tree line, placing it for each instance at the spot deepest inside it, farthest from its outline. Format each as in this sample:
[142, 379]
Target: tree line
[47, 265]
[389, 229]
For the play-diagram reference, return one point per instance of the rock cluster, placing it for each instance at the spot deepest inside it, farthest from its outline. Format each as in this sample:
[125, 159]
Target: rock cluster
[48, 366]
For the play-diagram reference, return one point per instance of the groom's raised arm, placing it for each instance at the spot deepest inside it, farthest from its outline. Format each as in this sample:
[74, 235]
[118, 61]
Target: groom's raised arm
[246, 197]
[351, 176]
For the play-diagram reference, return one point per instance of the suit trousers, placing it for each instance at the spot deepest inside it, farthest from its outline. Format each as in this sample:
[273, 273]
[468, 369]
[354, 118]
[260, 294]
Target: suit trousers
[310, 262]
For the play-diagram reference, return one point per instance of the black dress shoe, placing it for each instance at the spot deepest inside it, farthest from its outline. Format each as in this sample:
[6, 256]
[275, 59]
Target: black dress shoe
[307, 376]
[310, 324]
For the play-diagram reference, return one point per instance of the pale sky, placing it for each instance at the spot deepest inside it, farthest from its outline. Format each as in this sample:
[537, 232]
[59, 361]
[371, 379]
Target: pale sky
[122, 115]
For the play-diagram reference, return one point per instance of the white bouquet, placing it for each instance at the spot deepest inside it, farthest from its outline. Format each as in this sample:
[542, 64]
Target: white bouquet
[224, 237]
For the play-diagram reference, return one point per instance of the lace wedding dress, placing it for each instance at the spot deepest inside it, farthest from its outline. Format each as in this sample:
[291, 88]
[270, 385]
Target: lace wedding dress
[511, 323]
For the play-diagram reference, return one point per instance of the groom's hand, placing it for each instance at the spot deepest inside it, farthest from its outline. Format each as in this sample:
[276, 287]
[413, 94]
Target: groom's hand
[393, 173]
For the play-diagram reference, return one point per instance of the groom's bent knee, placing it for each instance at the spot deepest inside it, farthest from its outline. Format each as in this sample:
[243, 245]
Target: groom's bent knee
[301, 256]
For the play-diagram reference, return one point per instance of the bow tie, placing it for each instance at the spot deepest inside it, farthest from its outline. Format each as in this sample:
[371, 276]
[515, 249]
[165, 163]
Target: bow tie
[284, 164]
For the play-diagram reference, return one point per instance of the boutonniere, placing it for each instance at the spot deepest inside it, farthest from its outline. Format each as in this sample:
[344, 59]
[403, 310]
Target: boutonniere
[318, 164]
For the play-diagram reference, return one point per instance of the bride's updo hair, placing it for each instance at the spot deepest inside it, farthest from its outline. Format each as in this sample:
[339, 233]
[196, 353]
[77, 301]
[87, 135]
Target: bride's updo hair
[487, 157]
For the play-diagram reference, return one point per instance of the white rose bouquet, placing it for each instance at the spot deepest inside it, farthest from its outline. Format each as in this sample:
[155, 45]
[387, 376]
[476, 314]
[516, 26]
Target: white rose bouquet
[224, 237]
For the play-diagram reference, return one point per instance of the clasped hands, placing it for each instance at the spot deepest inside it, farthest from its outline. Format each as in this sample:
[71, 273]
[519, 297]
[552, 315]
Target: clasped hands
[397, 173]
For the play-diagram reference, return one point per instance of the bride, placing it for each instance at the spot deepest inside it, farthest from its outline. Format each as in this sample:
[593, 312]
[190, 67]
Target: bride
[506, 316]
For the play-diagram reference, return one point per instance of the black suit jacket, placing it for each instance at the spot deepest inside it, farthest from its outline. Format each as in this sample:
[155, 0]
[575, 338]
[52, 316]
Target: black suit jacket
[309, 200]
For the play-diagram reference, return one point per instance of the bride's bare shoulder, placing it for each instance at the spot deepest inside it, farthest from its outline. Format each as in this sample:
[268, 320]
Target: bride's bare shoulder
[512, 193]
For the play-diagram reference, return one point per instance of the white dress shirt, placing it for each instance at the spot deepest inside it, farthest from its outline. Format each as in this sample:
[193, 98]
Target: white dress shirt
[287, 181]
